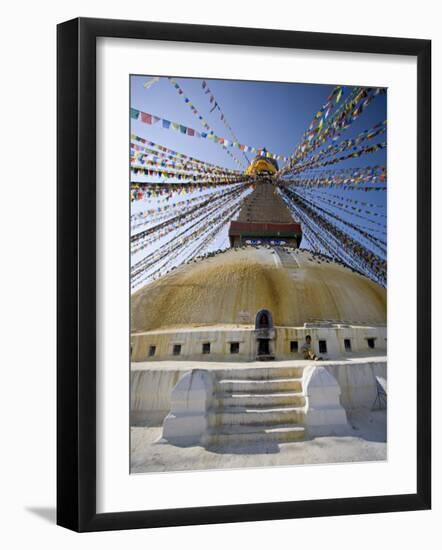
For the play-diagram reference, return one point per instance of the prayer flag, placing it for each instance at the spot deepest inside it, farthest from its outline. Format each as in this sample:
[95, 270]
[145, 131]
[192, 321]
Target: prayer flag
[134, 113]
[146, 118]
[151, 82]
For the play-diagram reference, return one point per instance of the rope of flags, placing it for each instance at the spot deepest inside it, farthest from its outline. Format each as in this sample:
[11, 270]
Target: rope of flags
[147, 191]
[371, 170]
[184, 214]
[357, 101]
[350, 178]
[166, 206]
[349, 250]
[211, 178]
[342, 205]
[202, 120]
[328, 212]
[180, 242]
[355, 154]
[216, 106]
[144, 152]
[349, 227]
[351, 200]
[199, 241]
[344, 145]
[165, 152]
[145, 238]
[319, 240]
[148, 118]
[182, 218]
[327, 204]
[141, 160]
[149, 83]
[318, 121]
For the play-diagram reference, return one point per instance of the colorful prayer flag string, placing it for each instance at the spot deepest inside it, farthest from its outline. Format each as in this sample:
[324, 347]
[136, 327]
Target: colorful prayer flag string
[216, 105]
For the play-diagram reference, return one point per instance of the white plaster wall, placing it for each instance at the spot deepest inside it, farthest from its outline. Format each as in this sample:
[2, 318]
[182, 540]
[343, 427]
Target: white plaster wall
[191, 345]
[334, 336]
[358, 382]
[191, 342]
[152, 385]
[150, 392]
[191, 398]
[325, 414]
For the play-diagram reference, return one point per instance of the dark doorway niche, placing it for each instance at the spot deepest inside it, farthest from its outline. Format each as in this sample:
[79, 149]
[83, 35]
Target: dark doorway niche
[263, 347]
[264, 319]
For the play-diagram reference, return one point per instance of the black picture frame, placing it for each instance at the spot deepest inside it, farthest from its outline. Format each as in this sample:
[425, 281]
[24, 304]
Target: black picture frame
[76, 274]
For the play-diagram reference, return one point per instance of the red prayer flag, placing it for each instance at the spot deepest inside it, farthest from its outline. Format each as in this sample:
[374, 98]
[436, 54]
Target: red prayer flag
[146, 118]
[190, 132]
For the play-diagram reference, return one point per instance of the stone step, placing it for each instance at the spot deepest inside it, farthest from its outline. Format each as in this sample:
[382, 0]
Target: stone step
[287, 259]
[273, 385]
[237, 435]
[255, 415]
[258, 373]
[294, 399]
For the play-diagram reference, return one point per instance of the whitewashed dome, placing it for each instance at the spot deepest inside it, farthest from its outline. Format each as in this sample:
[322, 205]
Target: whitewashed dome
[231, 287]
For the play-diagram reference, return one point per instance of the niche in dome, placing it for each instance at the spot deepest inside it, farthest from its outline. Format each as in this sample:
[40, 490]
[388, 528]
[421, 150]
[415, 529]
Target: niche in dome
[263, 320]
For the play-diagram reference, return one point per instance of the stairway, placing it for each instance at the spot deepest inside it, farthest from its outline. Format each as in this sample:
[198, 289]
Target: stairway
[257, 405]
[287, 259]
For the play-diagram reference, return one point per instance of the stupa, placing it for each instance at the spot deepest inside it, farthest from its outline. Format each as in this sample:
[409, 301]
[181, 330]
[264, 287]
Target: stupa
[254, 304]
[213, 308]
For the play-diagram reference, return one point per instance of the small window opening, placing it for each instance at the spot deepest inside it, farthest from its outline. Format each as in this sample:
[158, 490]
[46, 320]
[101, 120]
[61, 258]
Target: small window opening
[370, 342]
[234, 347]
[152, 350]
[347, 344]
[177, 349]
[206, 348]
[294, 346]
[322, 346]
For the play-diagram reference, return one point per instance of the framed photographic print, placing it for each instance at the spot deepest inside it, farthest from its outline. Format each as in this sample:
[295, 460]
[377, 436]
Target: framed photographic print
[243, 263]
